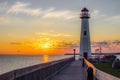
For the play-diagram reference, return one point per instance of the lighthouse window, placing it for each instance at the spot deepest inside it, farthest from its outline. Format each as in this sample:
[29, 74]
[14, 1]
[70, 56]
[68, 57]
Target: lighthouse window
[85, 33]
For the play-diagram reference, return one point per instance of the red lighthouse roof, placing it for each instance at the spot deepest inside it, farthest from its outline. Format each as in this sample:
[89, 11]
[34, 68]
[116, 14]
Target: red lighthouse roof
[84, 9]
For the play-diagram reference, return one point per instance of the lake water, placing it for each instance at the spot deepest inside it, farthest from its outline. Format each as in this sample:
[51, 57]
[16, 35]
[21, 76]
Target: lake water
[12, 62]
[118, 56]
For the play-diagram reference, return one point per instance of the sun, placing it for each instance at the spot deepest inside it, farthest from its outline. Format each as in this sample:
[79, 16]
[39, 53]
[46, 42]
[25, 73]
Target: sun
[46, 45]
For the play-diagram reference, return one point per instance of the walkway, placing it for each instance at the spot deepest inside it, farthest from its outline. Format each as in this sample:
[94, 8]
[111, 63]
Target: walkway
[74, 72]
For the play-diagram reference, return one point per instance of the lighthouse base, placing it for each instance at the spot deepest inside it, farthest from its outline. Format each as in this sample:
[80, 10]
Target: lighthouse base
[85, 55]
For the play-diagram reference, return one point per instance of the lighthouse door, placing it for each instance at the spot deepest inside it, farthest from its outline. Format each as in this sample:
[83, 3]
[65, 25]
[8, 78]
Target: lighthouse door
[85, 55]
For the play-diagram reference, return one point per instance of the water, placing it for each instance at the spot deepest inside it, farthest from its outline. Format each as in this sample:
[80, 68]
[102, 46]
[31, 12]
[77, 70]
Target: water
[12, 62]
[118, 56]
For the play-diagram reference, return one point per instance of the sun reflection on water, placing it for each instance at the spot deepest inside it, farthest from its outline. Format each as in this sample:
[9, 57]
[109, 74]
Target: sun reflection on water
[45, 58]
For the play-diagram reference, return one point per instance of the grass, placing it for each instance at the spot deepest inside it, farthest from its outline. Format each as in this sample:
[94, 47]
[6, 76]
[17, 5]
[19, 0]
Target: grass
[107, 67]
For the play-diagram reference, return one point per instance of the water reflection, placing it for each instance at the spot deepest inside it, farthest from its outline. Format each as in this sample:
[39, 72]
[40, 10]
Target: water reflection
[45, 58]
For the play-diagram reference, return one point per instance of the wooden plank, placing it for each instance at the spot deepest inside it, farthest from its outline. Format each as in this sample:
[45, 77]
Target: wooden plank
[74, 71]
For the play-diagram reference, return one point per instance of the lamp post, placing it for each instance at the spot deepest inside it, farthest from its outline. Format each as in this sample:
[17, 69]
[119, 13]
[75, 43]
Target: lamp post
[74, 53]
[100, 52]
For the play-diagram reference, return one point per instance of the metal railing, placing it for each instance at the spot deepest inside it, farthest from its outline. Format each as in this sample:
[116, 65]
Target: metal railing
[98, 74]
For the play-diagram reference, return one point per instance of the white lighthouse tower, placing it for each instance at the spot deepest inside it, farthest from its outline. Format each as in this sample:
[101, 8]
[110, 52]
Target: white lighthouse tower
[85, 49]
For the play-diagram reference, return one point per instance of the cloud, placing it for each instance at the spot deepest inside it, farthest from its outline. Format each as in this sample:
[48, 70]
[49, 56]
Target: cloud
[20, 7]
[60, 14]
[23, 8]
[15, 43]
[52, 34]
[111, 45]
[68, 44]
[104, 18]
[56, 43]
[116, 42]
[97, 14]
[65, 44]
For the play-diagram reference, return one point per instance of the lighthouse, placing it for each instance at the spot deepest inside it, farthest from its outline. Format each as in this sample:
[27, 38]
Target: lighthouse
[85, 48]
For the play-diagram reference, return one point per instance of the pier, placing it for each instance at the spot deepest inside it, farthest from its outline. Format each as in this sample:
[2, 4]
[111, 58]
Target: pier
[65, 69]
[43, 71]
[74, 71]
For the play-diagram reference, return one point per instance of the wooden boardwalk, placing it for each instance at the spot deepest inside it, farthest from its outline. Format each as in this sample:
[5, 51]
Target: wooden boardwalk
[74, 71]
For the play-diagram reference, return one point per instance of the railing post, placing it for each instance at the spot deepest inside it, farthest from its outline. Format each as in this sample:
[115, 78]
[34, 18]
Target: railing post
[83, 63]
[90, 73]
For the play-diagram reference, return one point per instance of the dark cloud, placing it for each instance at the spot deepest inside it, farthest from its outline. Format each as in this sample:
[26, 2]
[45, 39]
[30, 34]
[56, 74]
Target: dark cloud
[117, 42]
[69, 44]
[112, 45]
[15, 43]
[101, 43]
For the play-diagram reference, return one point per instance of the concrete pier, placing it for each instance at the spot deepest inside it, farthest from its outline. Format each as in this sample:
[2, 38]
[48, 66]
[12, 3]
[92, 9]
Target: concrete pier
[38, 72]
[65, 69]
[74, 71]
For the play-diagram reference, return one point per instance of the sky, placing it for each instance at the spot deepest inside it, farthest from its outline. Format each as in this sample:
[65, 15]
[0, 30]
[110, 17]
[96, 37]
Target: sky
[53, 26]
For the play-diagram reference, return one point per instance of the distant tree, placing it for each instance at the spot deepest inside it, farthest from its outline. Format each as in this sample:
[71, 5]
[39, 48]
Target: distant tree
[110, 58]
[116, 64]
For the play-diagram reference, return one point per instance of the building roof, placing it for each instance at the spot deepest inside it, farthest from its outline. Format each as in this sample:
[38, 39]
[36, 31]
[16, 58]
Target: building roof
[84, 9]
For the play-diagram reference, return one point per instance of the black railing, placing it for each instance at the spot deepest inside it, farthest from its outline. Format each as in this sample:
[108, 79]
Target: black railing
[95, 74]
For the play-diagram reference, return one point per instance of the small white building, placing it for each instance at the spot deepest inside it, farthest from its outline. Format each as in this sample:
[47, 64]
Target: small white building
[85, 48]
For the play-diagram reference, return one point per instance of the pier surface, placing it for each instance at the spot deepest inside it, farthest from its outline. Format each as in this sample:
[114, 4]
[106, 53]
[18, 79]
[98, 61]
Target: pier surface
[74, 71]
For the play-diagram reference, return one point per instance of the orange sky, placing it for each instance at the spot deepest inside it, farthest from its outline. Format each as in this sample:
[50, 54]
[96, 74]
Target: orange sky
[41, 27]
